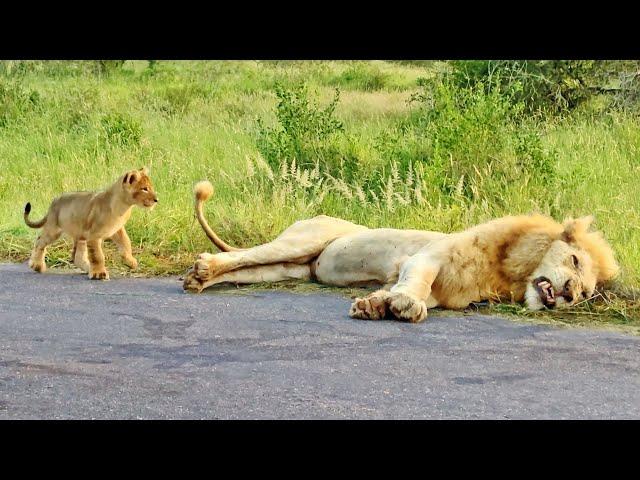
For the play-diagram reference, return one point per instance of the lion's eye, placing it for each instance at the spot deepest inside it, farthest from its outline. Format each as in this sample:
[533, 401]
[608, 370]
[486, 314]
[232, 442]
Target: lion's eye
[575, 261]
[145, 190]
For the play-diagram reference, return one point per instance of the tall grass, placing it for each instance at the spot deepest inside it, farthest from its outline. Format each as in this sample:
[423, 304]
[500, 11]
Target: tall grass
[281, 141]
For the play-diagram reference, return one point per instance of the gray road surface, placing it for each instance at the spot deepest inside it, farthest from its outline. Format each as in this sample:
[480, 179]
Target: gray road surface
[71, 348]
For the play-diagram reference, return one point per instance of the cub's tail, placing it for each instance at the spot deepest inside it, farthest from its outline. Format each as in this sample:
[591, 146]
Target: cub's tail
[202, 191]
[39, 223]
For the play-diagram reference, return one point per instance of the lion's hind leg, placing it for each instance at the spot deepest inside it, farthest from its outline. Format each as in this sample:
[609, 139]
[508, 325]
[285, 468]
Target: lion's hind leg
[300, 243]
[257, 274]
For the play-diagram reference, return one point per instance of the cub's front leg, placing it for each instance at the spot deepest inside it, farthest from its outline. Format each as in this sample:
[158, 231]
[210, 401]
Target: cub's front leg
[97, 268]
[121, 239]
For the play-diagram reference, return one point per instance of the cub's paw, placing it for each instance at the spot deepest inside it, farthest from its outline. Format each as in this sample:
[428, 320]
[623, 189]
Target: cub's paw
[37, 267]
[206, 267]
[192, 283]
[407, 308]
[84, 266]
[99, 275]
[371, 307]
[131, 262]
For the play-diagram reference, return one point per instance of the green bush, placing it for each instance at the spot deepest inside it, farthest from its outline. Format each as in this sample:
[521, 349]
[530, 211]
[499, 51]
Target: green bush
[304, 131]
[361, 76]
[174, 99]
[60, 68]
[476, 143]
[16, 101]
[550, 86]
[120, 129]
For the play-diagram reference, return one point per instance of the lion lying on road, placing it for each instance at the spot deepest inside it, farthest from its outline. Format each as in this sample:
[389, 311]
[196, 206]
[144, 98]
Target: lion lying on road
[90, 217]
[521, 258]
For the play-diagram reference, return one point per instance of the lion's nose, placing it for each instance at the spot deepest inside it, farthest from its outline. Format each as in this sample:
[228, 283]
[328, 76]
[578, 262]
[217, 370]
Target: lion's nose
[155, 199]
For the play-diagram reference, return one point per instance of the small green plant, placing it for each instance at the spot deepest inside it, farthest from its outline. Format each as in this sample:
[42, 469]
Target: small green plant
[304, 131]
[107, 67]
[543, 86]
[174, 99]
[479, 143]
[121, 129]
[361, 76]
[16, 101]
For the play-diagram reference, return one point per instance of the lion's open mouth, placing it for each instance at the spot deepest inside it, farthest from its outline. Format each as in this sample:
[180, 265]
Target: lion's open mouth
[545, 290]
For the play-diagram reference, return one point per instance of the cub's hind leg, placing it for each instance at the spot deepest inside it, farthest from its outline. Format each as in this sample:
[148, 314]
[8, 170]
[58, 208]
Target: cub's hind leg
[46, 238]
[97, 268]
[80, 255]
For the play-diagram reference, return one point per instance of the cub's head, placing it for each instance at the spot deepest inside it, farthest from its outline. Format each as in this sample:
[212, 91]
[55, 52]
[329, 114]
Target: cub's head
[138, 188]
[571, 268]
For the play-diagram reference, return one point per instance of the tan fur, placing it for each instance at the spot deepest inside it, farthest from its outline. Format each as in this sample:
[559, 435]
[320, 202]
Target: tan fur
[89, 218]
[417, 270]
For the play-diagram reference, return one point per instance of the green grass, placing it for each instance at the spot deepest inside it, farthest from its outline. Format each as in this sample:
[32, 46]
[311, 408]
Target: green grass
[430, 163]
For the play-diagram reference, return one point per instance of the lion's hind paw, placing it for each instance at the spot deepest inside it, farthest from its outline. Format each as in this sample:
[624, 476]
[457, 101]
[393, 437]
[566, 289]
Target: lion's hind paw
[205, 267]
[192, 283]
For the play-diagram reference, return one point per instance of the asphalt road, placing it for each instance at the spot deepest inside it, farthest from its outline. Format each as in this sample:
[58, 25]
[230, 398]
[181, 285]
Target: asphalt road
[129, 348]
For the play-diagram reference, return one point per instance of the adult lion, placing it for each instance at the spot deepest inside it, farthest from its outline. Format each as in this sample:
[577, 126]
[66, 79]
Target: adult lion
[519, 258]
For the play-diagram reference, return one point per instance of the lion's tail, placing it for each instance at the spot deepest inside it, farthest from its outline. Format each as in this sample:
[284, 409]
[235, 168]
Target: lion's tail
[203, 190]
[27, 211]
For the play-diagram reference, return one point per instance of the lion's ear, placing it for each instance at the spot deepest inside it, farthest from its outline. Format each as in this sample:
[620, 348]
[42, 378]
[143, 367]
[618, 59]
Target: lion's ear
[145, 170]
[576, 228]
[131, 177]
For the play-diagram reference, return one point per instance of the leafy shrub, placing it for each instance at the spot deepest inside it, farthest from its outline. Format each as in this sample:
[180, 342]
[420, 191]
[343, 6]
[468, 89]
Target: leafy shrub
[60, 68]
[361, 76]
[552, 86]
[121, 129]
[627, 94]
[77, 106]
[16, 101]
[304, 131]
[477, 143]
[175, 99]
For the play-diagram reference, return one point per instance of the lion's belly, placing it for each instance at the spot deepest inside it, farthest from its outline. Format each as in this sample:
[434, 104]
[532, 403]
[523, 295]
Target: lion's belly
[369, 256]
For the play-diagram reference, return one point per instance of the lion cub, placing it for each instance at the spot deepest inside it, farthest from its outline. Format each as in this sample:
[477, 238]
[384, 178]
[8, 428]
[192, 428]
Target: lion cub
[89, 218]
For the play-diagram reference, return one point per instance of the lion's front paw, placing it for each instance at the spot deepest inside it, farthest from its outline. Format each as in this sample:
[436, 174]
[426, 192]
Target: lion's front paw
[131, 262]
[372, 307]
[206, 267]
[406, 307]
[99, 275]
[37, 267]
[192, 283]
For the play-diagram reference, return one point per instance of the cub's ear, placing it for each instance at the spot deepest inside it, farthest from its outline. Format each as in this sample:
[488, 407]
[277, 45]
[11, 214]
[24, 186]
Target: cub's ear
[576, 228]
[144, 170]
[130, 177]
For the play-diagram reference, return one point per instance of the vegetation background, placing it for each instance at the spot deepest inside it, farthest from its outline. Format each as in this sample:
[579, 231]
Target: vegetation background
[405, 144]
